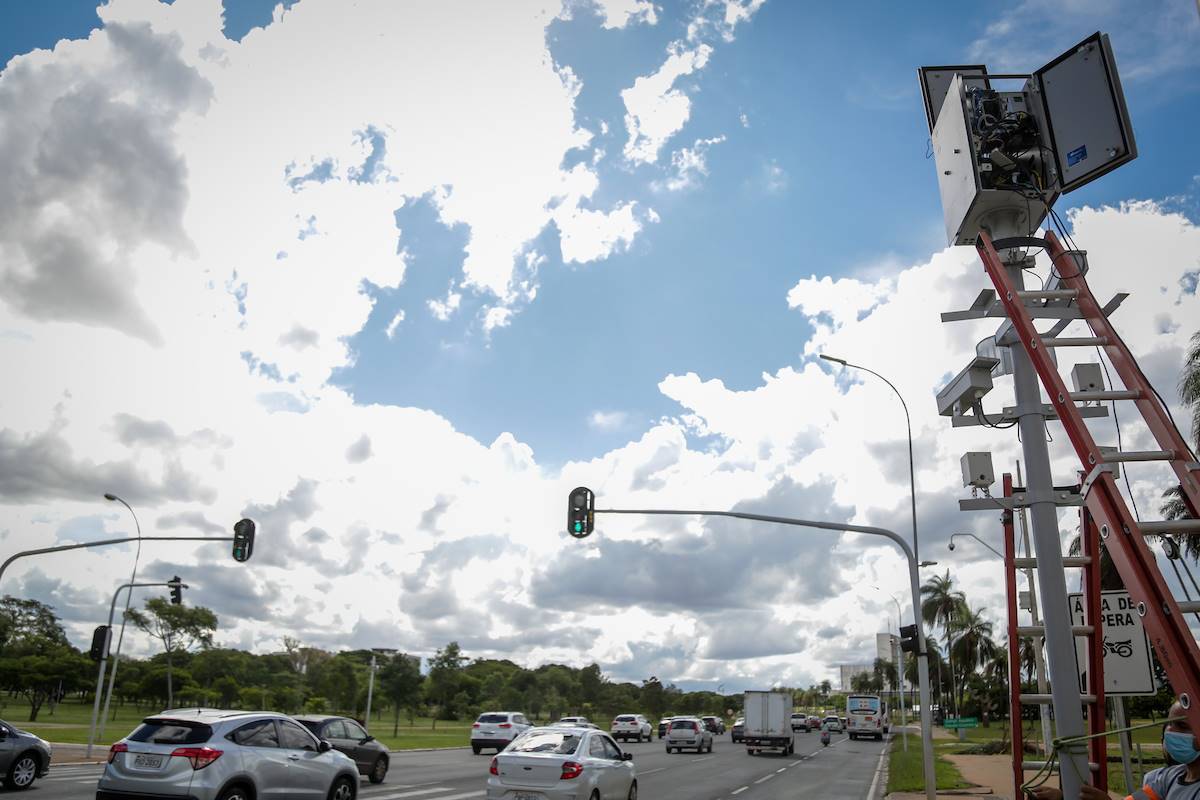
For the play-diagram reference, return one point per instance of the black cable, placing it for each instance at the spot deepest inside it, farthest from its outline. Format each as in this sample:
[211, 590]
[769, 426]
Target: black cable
[978, 409]
[1117, 425]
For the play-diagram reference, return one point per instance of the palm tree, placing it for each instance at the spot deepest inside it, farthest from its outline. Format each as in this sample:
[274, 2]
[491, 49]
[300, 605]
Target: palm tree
[974, 645]
[941, 605]
[1173, 506]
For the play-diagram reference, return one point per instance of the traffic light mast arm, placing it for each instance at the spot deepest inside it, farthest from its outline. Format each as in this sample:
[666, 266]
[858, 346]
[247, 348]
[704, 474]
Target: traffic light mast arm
[103, 542]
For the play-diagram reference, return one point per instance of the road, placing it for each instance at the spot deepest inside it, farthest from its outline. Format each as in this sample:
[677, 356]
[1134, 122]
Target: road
[843, 771]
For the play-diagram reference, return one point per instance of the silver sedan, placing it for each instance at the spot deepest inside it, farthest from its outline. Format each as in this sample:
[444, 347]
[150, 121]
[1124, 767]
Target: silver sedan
[688, 732]
[557, 763]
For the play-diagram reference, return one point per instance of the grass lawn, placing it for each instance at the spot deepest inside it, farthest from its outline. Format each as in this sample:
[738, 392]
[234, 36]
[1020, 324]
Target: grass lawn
[70, 723]
[905, 773]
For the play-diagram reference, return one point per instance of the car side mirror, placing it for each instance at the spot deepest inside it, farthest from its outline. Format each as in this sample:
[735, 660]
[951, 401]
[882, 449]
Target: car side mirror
[324, 746]
[367, 738]
[627, 756]
[3, 733]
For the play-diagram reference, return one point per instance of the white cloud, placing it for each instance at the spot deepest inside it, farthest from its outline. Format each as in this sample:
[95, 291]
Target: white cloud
[655, 110]
[444, 309]
[690, 165]
[775, 178]
[593, 235]
[608, 420]
[619, 13]
[394, 324]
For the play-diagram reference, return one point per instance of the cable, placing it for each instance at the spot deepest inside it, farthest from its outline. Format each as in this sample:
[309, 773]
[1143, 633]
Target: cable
[977, 407]
[1117, 425]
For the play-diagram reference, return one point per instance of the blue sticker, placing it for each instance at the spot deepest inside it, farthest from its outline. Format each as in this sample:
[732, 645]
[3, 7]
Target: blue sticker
[1077, 155]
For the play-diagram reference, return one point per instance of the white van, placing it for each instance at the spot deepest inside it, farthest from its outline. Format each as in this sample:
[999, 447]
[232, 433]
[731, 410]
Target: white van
[866, 715]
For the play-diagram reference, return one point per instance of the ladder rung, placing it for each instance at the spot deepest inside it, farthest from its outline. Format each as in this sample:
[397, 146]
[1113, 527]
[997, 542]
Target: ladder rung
[1046, 699]
[1076, 341]
[1068, 561]
[1189, 606]
[1112, 394]
[1038, 630]
[1047, 294]
[1170, 526]
[1139, 455]
[1038, 765]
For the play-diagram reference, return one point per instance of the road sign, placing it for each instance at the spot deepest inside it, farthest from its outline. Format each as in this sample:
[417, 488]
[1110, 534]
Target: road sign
[1127, 666]
[961, 722]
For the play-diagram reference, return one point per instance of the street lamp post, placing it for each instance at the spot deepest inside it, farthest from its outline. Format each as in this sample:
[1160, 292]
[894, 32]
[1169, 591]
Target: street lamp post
[116, 660]
[914, 586]
[912, 480]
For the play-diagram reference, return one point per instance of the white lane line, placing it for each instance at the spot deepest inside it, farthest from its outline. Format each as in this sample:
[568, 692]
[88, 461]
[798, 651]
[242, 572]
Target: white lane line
[739, 791]
[416, 793]
[706, 758]
[794, 763]
[462, 796]
[878, 772]
[765, 778]
[781, 769]
[651, 771]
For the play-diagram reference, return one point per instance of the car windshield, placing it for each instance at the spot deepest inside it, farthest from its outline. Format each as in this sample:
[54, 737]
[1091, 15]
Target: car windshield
[315, 727]
[864, 705]
[171, 731]
[563, 744]
[492, 718]
[625, 718]
[681, 724]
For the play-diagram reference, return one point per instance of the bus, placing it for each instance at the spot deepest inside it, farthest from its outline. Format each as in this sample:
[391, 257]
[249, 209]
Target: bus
[866, 715]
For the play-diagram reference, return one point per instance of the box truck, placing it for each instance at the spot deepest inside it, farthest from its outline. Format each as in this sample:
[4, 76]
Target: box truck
[768, 722]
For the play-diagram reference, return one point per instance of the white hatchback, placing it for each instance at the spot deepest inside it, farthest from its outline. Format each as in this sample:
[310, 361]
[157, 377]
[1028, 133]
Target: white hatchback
[560, 763]
[496, 729]
[631, 726]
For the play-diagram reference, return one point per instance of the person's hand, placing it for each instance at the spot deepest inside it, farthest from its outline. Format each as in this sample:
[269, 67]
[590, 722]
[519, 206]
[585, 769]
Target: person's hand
[1045, 792]
[1088, 792]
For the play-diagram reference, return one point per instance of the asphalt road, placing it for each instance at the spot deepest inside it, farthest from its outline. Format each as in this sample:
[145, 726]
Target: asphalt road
[843, 771]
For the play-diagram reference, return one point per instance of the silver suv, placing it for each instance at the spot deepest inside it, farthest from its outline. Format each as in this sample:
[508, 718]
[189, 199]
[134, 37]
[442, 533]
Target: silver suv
[204, 754]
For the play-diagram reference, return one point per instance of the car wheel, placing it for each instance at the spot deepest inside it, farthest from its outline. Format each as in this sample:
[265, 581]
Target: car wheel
[633, 791]
[22, 772]
[379, 770]
[343, 789]
[475, 749]
[235, 793]
[595, 795]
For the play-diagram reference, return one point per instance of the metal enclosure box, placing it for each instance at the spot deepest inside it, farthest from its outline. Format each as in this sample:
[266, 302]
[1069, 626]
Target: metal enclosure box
[935, 83]
[1086, 123]
[1087, 378]
[967, 206]
[977, 469]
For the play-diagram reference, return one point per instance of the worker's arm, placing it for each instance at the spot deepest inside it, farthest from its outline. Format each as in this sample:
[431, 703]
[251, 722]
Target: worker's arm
[1086, 792]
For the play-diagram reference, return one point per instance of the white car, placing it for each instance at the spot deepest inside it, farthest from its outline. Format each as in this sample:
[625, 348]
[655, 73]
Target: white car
[832, 724]
[631, 726]
[560, 763]
[496, 729]
[688, 732]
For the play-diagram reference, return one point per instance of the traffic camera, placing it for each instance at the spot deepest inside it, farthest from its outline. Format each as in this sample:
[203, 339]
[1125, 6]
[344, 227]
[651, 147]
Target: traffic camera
[581, 512]
[243, 540]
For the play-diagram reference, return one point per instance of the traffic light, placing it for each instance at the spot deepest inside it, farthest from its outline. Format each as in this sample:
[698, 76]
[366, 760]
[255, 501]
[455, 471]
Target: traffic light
[243, 540]
[581, 512]
[908, 638]
[176, 585]
[100, 642]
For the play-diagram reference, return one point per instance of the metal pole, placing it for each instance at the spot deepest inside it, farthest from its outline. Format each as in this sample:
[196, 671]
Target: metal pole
[914, 587]
[1119, 718]
[912, 477]
[63, 547]
[370, 691]
[1039, 660]
[112, 608]
[128, 597]
[1051, 579]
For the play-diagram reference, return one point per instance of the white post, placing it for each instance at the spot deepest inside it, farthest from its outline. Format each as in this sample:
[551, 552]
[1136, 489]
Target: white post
[370, 691]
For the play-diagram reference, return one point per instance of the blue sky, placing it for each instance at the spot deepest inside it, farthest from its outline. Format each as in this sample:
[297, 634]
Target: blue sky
[827, 177]
[177, 359]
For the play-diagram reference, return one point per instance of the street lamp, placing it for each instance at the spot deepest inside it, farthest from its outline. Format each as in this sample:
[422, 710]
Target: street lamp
[112, 679]
[999, 555]
[912, 480]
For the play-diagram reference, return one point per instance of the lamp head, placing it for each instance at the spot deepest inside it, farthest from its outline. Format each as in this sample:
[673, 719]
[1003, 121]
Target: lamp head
[952, 545]
[841, 361]
[109, 496]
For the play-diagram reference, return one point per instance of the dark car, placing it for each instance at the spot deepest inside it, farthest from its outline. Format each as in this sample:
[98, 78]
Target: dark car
[715, 725]
[348, 736]
[738, 729]
[23, 757]
[662, 726]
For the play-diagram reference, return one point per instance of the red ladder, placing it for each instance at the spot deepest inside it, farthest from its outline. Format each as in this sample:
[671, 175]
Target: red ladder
[1094, 700]
[1120, 533]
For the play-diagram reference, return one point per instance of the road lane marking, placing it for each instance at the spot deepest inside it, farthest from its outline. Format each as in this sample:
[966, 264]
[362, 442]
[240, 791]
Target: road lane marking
[706, 758]
[781, 769]
[878, 772]
[765, 778]
[794, 763]
[739, 791]
[652, 771]
[462, 796]
[416, 793]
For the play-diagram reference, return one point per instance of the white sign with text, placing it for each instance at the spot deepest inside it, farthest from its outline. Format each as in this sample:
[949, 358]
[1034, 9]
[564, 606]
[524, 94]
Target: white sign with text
[1127, 666]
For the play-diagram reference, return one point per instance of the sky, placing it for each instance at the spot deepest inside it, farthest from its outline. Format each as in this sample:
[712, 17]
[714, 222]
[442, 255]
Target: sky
[391, 279]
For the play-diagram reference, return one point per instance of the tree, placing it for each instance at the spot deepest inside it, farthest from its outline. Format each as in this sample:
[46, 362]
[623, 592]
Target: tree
[940, 605]
[445, 676]
[179, 628]
[653, 697]
[974, 646]
[1174, 505]
[400, 680]
[43, 674]
[29, 626]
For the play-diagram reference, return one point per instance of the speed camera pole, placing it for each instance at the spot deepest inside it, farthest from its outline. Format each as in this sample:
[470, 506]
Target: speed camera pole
[581, 513]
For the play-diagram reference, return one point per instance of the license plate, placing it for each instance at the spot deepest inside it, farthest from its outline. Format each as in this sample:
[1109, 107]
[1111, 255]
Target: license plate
[526, 796]
[147, 761]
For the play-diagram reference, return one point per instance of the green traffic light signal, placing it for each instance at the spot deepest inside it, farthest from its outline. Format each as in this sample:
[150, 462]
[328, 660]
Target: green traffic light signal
[581, 504]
